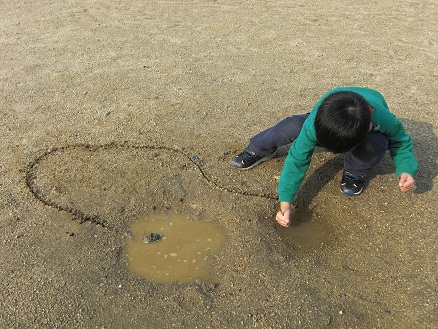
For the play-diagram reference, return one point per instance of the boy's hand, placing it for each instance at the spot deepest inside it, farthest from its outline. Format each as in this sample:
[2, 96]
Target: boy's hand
[283, 216]
[406, 183]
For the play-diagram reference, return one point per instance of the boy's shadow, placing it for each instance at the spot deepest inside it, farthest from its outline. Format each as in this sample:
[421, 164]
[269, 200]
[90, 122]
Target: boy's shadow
[425, 150]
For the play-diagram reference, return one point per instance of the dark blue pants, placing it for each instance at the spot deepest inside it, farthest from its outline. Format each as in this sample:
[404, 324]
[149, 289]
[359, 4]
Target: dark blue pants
[357, 161]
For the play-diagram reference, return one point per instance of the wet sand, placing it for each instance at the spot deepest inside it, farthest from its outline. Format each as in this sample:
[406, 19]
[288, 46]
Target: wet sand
[114, 110]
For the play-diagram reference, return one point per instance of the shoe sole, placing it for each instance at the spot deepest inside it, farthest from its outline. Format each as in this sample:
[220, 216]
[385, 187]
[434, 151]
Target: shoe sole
[266, 158]
[350, 192]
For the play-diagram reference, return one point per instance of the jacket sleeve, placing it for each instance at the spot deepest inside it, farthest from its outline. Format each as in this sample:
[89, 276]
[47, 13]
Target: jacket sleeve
[401, 148]
[295, 166]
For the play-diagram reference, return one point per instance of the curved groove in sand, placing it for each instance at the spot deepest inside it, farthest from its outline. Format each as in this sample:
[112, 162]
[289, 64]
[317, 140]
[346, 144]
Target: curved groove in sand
[82, 216]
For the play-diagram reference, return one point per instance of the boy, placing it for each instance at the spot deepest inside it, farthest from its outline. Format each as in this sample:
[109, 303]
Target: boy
[350, 120]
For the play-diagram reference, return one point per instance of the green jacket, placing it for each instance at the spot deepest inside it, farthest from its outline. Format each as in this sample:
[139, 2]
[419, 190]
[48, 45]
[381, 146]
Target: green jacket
[300, 153]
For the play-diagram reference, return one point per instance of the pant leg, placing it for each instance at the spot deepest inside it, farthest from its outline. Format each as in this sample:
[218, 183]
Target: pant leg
[368, 154]
[283, 133]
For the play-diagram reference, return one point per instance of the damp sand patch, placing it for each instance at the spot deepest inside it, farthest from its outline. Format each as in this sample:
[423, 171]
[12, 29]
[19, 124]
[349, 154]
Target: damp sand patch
[306, 232]
[164, 248]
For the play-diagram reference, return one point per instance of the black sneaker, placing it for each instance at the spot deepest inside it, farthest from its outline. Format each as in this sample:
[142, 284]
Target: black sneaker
[351, 184]
[249, 159]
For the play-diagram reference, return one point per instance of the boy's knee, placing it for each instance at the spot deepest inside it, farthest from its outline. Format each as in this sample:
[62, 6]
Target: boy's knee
[379, 141]
[376, 144]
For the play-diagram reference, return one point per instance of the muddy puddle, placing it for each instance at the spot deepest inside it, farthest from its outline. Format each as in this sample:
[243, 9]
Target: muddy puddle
[169, 247]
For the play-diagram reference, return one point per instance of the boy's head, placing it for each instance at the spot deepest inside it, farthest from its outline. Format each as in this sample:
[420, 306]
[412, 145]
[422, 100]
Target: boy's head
[342, 121]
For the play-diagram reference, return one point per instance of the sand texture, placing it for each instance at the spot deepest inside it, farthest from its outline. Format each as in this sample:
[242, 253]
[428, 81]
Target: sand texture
[111, 110]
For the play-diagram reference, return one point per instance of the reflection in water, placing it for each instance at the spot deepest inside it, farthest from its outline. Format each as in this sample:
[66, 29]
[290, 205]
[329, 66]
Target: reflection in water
[306, 232]
[181, 254]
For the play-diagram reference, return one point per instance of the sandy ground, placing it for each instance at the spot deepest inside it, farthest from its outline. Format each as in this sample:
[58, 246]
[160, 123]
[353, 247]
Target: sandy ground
[115, 109]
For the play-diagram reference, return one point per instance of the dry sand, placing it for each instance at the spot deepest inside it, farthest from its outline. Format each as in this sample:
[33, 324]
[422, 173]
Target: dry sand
[114, 109]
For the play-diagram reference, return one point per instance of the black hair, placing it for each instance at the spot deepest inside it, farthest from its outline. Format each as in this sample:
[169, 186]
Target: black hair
[342, 121]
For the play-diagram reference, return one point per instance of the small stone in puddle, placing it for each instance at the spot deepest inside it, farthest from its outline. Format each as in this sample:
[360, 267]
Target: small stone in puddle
[151, 237]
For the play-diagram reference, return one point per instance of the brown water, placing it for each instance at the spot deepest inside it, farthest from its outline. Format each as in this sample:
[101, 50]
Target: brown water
[306, 232]
[184, 252]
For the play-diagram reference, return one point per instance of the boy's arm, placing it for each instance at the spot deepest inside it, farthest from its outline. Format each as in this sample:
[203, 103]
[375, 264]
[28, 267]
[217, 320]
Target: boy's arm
[401, 149]
[294, 169]
[297, 162]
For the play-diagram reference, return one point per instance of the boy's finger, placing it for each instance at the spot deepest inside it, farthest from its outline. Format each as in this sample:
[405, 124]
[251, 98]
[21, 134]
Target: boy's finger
[280, 219]
[286, 216]
[284, 223]
[408, 188]
[402, 180]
